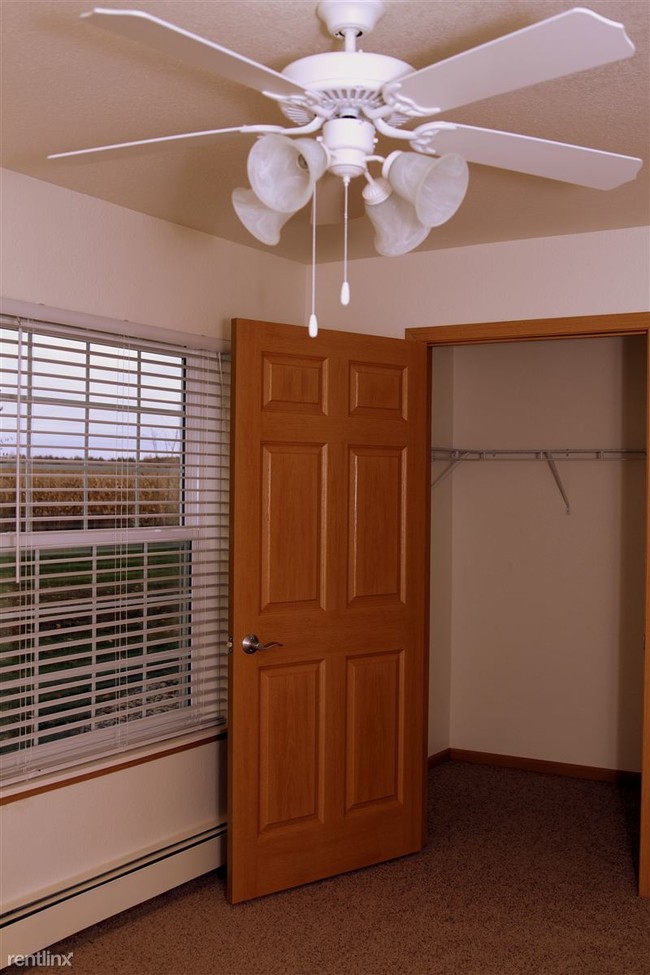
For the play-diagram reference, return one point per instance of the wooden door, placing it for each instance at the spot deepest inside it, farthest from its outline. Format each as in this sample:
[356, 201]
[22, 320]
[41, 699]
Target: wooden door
[327, 733]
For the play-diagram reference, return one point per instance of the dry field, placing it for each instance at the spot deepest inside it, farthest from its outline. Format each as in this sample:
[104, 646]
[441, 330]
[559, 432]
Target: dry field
[71, 495]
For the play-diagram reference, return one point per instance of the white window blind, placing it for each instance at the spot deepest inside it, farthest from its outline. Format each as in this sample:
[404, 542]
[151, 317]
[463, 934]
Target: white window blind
[114, 466]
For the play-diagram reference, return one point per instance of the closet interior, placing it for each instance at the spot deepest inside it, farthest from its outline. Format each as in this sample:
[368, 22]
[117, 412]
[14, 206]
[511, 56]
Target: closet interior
[537, 550]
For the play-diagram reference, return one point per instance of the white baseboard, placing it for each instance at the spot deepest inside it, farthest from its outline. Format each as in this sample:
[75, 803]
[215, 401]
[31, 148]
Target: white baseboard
[41, 923]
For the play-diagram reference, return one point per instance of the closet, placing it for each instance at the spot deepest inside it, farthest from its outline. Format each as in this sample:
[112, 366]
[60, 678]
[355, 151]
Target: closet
[538, 528]
[538, 615]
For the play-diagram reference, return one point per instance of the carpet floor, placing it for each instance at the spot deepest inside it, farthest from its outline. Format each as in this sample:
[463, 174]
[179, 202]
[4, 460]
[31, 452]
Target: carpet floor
[523, 874]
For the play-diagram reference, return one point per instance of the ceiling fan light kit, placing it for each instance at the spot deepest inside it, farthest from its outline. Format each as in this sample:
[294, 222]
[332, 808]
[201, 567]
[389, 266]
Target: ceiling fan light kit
[354, 97]
[435, 187]
[397, 228]
[282, 171]
[261, 221]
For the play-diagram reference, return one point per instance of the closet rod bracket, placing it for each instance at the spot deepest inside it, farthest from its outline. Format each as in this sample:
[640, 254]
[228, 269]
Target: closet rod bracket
[550, 460]
[456, 458]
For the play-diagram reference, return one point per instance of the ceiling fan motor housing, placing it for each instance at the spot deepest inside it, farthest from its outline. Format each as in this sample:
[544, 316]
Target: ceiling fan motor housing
[346, 71]
[349, 142]
[338, 81]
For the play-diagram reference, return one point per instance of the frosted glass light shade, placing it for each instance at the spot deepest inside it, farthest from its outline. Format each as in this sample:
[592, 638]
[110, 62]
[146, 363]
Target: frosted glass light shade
[283, 171]
[259, 220]
[435, 187]
[397, 228]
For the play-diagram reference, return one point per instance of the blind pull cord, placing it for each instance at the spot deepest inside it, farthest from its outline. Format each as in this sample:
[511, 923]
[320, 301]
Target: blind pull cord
[19, 383]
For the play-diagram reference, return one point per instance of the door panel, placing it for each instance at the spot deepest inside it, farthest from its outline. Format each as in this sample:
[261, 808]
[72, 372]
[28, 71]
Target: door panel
[293, 488]
[291, 743]
[327, 733]
[374, 728]
[377, 390]
[293, 384]
[376, 533]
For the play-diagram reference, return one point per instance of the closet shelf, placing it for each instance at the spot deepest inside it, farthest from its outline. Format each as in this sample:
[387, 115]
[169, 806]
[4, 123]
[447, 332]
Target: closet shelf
[458, 455]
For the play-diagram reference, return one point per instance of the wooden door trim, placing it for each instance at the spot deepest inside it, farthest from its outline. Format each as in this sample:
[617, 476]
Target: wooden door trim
[584, 326]
[644, 855]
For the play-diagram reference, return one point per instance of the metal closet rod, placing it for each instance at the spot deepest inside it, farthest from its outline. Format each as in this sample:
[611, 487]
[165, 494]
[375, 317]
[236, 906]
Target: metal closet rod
[456, 455]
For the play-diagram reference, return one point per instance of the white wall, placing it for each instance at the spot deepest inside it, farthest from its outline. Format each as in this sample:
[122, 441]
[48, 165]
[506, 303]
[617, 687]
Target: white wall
[546, 608]
[584, 274]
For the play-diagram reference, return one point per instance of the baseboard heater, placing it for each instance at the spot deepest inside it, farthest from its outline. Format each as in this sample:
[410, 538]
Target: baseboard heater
[44, 921]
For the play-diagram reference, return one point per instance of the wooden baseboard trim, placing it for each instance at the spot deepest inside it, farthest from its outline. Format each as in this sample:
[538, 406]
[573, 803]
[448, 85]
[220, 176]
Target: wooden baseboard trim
[439, 758]
[534, 765]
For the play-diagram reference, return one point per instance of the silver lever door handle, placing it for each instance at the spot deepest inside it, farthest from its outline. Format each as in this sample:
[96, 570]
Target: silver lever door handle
[250, 644]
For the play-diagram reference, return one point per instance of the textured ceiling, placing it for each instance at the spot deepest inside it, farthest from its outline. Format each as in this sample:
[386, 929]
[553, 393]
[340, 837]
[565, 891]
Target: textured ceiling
[67, 84]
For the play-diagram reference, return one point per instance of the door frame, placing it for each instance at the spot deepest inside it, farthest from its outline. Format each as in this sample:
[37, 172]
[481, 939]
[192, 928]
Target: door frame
[584, 326]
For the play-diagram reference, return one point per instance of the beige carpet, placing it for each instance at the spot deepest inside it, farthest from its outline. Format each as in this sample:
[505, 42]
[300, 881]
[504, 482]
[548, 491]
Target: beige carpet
[523, 873]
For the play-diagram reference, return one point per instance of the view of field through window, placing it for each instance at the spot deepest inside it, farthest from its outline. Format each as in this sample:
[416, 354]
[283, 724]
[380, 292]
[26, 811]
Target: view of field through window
[97, 432]
[99, 499]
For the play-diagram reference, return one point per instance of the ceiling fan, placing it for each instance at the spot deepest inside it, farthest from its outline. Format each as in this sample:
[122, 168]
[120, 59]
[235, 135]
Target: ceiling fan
[352, 97]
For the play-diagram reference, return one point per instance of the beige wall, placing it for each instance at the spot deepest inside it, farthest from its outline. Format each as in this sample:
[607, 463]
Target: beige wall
[546, 608]
[152, 811]
[67, 250]
[441, 633]
[584, 274]
[71, 251]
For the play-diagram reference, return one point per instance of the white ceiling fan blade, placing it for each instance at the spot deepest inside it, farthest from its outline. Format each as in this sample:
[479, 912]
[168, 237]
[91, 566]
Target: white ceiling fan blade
[262, 129]
[537, 157]
[145, 142]
[571, 41]
[136, 25]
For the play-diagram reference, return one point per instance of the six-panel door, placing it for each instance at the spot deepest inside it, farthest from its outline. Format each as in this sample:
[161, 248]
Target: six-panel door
[329, 558]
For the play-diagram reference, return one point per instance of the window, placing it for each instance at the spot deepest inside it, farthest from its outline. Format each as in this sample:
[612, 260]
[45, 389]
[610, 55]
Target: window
[113, 543]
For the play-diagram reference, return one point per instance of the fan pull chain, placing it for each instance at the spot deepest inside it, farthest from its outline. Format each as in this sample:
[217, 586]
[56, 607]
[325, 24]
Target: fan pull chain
[313, 321]
[345, 287]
